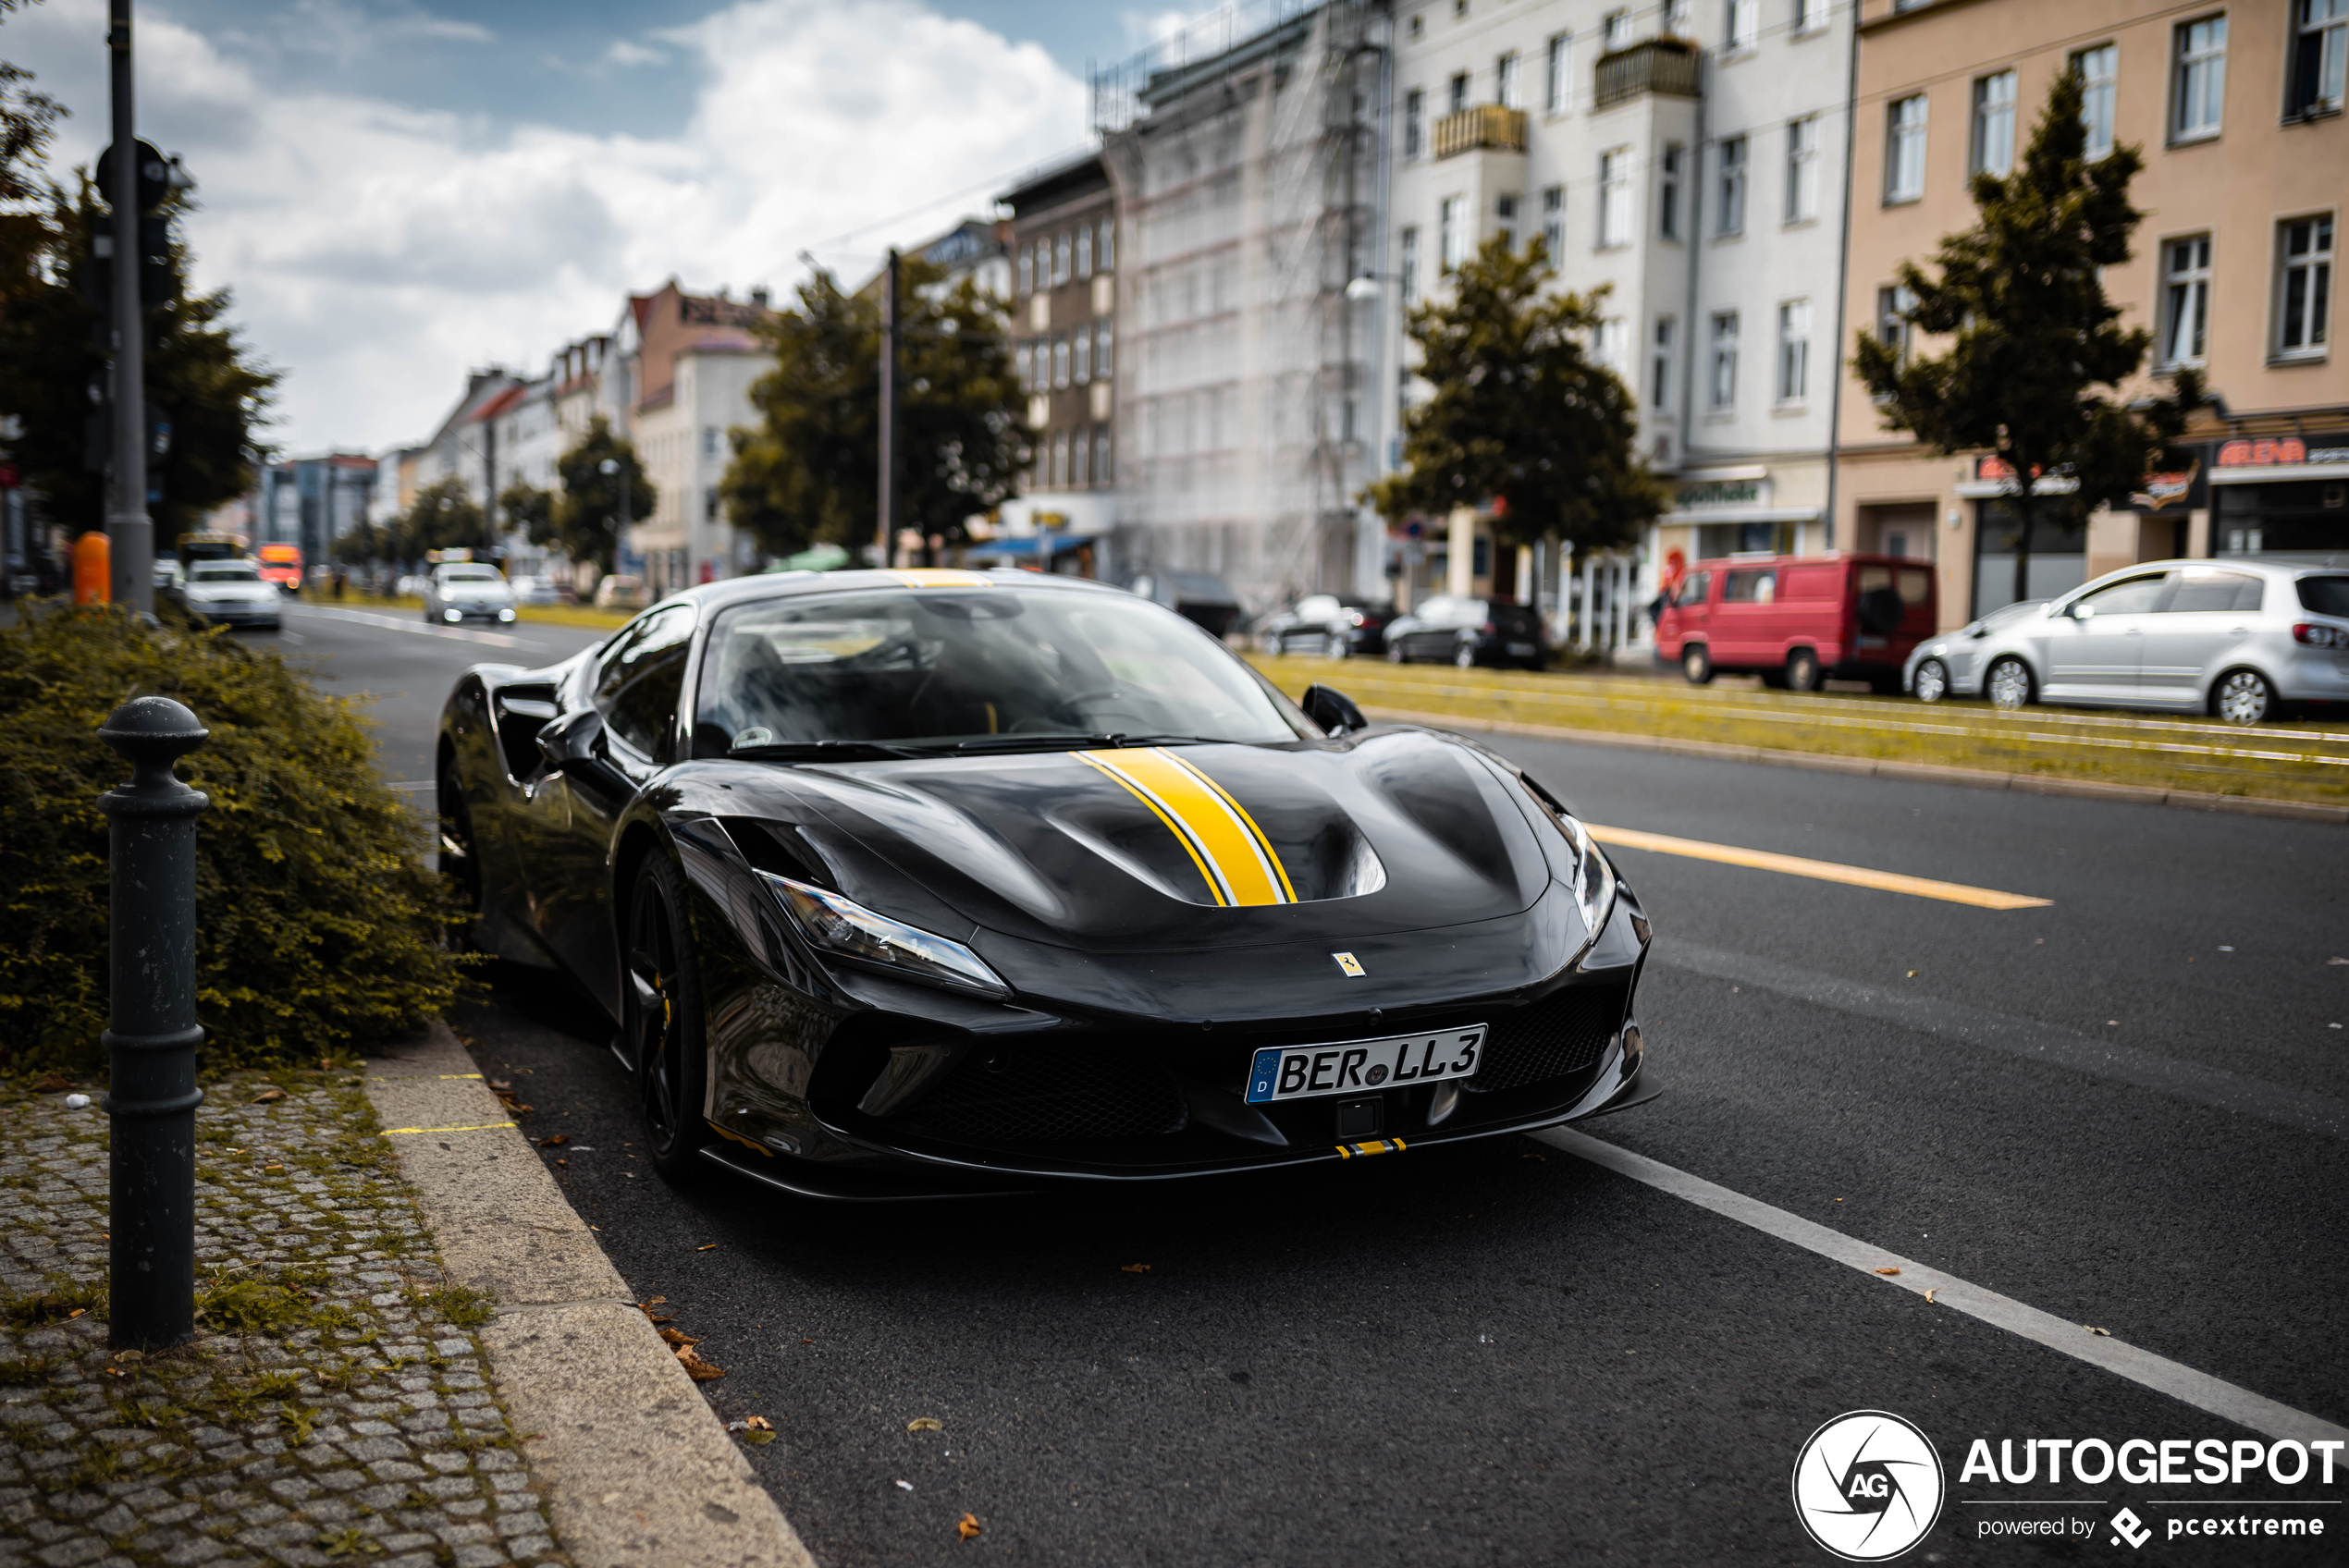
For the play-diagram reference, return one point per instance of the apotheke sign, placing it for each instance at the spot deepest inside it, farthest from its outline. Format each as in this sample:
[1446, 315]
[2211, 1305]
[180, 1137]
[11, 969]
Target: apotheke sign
[1721, 493]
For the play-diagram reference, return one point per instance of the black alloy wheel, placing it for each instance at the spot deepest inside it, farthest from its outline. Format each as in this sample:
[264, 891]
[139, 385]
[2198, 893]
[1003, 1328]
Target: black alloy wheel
[1696, 663]
[1802, 670]
[459, 866]
[662, 1018]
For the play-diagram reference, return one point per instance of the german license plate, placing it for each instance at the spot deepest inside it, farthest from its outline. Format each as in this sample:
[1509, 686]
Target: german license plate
[1349, 1067]
[1520, 650]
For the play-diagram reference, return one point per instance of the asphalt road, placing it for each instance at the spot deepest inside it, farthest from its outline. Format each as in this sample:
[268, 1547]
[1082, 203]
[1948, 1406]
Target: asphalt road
[2124, 1107]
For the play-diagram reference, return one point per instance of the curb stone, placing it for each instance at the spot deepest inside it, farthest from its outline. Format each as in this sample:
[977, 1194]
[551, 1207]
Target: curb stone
[1914, 772]
[580, 1368]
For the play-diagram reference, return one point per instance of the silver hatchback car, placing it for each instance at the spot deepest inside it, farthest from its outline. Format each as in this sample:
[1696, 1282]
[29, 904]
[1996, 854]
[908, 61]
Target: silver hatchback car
[2236, 638]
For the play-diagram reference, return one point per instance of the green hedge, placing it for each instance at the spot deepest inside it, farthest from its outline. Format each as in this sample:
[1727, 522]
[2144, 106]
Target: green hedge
[319, 927]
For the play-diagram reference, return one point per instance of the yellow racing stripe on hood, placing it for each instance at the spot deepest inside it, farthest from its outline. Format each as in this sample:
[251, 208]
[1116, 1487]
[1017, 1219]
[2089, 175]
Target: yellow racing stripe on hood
[1223, 841]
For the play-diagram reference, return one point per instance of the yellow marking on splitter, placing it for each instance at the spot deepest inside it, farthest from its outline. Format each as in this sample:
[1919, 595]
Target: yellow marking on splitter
[1822, 869]
[737, 1137]
[1226, 846]
[1376, 1145]
[477, 1127]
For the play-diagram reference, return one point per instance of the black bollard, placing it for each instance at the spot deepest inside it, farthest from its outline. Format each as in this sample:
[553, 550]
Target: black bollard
[152, 1043]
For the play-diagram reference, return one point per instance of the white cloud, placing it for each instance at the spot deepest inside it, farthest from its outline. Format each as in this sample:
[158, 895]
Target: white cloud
[378, 251]
[626, 52]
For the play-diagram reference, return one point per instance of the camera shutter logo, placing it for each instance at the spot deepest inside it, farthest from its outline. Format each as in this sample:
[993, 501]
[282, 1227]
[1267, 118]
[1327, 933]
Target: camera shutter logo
[1868, 1486]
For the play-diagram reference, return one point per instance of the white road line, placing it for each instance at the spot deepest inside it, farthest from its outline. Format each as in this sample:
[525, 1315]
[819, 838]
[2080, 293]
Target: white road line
[2158, 1373]
[494, 639]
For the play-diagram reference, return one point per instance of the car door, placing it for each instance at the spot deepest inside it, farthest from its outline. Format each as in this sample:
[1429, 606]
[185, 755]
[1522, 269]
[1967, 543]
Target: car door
[2210, 610]
[1742, 622]
[633, 691]
[1430, 633]
[2095, 647]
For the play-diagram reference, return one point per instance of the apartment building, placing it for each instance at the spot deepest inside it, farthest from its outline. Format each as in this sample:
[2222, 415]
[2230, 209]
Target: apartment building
[2237, 109]
[1064, 329]
[1687, 158]
[1245, 156]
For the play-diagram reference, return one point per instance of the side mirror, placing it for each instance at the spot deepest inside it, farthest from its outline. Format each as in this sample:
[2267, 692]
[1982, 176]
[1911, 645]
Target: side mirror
[1332, 709]
[573, 744]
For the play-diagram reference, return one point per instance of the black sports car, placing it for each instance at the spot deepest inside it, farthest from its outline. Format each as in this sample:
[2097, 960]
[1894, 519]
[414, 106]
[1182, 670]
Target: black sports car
[901, 882]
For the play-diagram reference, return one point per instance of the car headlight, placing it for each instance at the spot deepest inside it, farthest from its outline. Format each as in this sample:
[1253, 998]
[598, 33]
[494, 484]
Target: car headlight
[1591, 877]
[505, 615]
[847, 929]
[452, 614]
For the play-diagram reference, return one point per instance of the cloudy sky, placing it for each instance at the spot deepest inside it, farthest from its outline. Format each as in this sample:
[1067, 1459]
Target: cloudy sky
[397, 191]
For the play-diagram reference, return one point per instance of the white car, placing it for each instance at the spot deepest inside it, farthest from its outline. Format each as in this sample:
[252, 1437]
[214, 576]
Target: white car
[1951, 663]
[467, 591]
[232, 593]
[2238, 639]
[537, 591]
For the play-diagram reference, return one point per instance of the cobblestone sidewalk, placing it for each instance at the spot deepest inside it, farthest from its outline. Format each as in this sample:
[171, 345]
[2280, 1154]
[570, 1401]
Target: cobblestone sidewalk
[333, 1407]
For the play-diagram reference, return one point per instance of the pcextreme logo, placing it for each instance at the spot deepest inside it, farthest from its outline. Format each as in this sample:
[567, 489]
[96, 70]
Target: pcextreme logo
[1868, 1486]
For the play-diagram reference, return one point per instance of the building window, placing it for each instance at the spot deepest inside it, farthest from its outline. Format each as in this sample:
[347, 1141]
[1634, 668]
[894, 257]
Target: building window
[1061, 259]
[2201, 86]
[1081, 352]
[2317, 56]
[1024, 358]
[2303, 297]
[1615, 199]
[709, 507]
[1729, 214]
[1802, 169]
[1614, 31]
[1407, 246]
[1105, 253]
[1660, 378]
[712, 440]
[1810, 15]
[1060, 360]
[2185, 299]
[1904, 149]
[1610, 344]
[1994, 124]
[1554, 221]
[1026, 270]
[1557, 94]
[1892, 307]
[1414, 108]
[1745, 23]
[1725, 359]
[1676, 20]
[1103, 473]
[2099, 69]
[1080, 463]
[1085, 251]
[1667, 191]
[1505, 81]
[1058, 478]
[1504, 219]
[1450, 247]
[1794, 350]
[1102, 366]
[1459, 92]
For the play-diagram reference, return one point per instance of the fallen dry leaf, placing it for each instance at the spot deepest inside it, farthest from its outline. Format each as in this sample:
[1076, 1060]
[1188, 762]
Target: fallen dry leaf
[757, 1424]
[266, 1097]
[51, 1083]
[2093, 1329]
[75, 1312]
[564, 1163]
[700, 1371]
[1928, 1295]
[1912, 974]
[808, 1341]
[555, 1140]
[1887, 1271]
[706, 1246]
[678, 1337]
[266, 1168]
[924, 1424]
[501, 1083]
[1134, 1268]
[968, 1528]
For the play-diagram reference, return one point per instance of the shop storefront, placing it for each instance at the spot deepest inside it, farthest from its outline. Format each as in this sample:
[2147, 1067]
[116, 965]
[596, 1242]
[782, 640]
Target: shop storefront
[2281, 495]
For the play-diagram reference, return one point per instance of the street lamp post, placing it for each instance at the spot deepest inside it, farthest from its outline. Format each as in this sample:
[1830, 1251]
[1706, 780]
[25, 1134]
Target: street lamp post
[130, 534]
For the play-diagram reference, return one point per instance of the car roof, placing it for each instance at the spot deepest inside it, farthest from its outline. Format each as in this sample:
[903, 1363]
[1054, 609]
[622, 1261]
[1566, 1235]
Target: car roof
[787, 584]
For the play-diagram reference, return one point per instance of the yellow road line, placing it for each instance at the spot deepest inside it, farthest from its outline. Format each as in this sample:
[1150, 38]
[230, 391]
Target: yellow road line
[477, 1127]
[1823, 870]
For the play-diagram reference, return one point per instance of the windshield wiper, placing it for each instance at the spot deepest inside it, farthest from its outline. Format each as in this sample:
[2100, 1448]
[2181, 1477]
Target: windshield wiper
[1070, 743]
[817, 750]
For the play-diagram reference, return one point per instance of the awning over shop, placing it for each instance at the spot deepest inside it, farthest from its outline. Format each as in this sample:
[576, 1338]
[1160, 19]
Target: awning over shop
[1028, 547]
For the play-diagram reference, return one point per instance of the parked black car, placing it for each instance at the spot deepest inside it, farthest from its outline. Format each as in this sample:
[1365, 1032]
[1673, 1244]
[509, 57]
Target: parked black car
[1453, 629]
[1333, 625]
[1200, 597]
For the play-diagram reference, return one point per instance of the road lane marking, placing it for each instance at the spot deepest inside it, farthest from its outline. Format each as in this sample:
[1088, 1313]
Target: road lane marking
[2224, 1400]
[1822, 869]
[423, 629]
[2303, 1110]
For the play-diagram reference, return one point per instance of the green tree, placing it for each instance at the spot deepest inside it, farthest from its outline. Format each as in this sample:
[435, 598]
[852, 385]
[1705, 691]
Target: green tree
[200, 381]
[442, 517]
[2036, 352]
[581, 520]
[1521, 417]
[525, 507]
[808, 470]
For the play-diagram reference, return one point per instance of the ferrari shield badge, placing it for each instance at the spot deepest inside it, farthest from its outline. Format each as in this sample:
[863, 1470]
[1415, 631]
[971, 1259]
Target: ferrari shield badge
[1349, 963]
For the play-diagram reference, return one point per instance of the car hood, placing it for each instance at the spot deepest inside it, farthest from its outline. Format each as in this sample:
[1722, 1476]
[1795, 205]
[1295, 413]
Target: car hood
[474, 591]
[1196, 847]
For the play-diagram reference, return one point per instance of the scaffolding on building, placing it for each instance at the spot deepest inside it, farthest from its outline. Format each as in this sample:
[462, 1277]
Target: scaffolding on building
[1244, 148]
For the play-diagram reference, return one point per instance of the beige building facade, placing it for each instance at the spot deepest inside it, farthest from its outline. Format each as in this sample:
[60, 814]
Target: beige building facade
[2237, 110]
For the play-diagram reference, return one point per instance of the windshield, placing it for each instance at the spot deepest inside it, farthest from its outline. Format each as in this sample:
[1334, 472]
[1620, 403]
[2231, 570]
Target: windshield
[469, 574]
[931, 667]
[2015, 611]
[226, 571]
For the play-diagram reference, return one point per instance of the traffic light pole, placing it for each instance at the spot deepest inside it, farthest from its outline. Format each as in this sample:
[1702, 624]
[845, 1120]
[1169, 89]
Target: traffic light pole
[130, 534]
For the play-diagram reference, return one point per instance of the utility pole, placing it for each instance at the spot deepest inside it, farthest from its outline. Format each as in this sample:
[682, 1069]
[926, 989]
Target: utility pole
[887, 508]
[130, 534]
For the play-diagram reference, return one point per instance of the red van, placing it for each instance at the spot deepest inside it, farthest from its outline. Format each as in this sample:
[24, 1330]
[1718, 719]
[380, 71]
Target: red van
[1798, 620]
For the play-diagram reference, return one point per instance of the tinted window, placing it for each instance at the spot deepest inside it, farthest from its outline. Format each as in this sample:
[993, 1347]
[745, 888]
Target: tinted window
[2133, 596]
[1693, 588]
[1441, 610]
[1750, 587]
[640, 676]
[227, 572]
[2324, 595]
[2214, 591]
